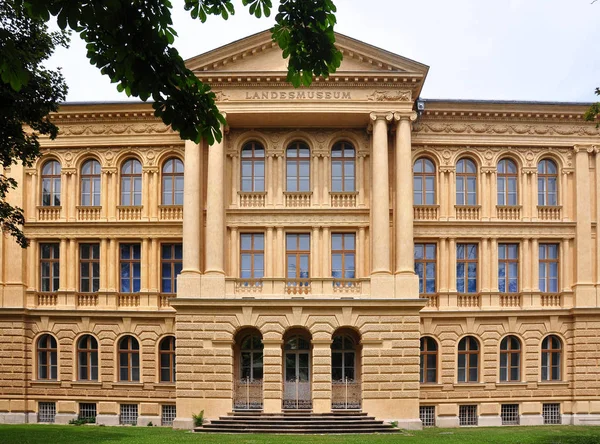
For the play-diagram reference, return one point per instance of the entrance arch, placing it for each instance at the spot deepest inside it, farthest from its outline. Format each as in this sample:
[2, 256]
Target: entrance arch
[346, 390]
[297, 366]
[248, 369]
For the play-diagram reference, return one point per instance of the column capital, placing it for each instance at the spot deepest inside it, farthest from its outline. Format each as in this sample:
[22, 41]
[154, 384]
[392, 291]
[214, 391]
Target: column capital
[585, 148]
[387, 115]
[411, 116]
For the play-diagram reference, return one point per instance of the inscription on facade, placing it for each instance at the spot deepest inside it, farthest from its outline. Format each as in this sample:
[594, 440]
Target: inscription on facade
[298, 95]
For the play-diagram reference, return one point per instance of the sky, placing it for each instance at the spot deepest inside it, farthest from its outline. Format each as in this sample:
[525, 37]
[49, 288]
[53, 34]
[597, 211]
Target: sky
[540, 50]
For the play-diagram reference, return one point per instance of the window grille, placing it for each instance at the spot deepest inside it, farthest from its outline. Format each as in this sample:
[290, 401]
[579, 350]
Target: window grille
[467, 415]
[427, 415]
[129, 414]
[87, 411]
[169, 412]
[551, 413]
[46, 412]
[510, 414]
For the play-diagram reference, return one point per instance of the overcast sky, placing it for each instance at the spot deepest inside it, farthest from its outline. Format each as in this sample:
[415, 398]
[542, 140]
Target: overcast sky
[476, 49]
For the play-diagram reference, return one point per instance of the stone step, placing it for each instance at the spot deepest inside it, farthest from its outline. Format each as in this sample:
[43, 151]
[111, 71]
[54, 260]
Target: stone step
[297, 418]
[334, 423]
[296, 430]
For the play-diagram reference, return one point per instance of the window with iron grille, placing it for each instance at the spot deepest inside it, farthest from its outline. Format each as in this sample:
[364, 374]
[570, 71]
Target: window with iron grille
[46, 412]
[129, 414]
[467, 415]
[427, 415]
[509, 414]
[169, 412]
[87, 411]
[551, 413]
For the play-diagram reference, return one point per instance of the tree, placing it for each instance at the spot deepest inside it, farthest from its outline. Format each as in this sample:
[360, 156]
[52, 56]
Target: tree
[594, 110]
[28, 93]
[131, 41]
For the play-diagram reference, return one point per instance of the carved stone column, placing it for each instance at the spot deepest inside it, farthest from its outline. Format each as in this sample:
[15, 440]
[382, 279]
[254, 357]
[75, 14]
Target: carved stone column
[33, 195]
[585, 295]
[380, 203]
[188, 284]
[407, 282]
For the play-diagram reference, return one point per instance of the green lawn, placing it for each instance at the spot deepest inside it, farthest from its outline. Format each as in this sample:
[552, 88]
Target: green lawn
[53, 434]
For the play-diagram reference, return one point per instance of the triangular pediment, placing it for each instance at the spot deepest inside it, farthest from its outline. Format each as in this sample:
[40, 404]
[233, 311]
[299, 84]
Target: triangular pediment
[259, 54]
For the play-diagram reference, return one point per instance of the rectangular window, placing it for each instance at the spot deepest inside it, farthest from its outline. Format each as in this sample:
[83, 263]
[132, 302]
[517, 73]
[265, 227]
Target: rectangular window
[467, 415]
[130, 268]
[427, 415]
[87, 412]
[551, 413]
[425, 267]
[129, 414]
[252, 257]
[89, 268]
[171, 263]
[47, 412]
[169, 412]
[508, 268]
[49, 267]
[343, 256]
[297, 259]
[548, 268]
[466, 268]
[509, 414]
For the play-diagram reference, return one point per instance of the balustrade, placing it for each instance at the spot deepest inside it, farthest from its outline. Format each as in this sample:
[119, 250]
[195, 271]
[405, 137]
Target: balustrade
[87, 300]
[47, 214]
[351, 286]
[170, 212]
[85, 213]
[343, 200]
[549, 212]
[128, 300]
[130, 212]
[508, 212]
[47, 299]
[252, 200]
[551, 300]
[426, 212]
[510, 300]
[468, 300]
[467, 212]
[297, 200]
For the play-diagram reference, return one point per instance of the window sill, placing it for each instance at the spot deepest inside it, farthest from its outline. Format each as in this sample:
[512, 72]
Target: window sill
[164, 385]
[43, 382]
[87, 383]
[554, 383]
[512, 383]
[128, 384]
[469, 384]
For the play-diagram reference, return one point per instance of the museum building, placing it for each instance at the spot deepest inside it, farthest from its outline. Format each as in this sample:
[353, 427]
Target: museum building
[347, 246]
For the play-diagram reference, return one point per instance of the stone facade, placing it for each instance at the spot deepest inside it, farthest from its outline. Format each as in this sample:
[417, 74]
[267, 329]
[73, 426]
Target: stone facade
[89, 315]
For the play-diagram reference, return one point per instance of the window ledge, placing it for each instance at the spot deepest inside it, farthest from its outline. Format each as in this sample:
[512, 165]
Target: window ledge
[128, 384]
[344, 193]
[42, 382]
[512, 383]
[467, 206]
[252, 193]
[554, 383]
[469, 384]
[298, 193]
[164, 385]
[86, 383]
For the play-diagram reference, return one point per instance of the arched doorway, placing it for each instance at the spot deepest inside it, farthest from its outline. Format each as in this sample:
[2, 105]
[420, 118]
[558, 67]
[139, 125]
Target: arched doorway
[346, 390]
[297, 370]
[248, 380]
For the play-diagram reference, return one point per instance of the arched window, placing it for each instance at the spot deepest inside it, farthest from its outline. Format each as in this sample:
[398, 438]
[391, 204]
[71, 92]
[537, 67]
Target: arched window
[87, 358]
[253, 167]
[251, 353]
[343, 167]
[424, 182]
[51, 184]
[551, 358]
[466, 182]
[468, 359]
[131, 183]
[129, 359]
[172, 182]
[90, 183]
[507, 182]
[547, 183]
[47, 357]
[166, 351]
[343, 358]
[298, 167]
[428, 367]
[510, 359]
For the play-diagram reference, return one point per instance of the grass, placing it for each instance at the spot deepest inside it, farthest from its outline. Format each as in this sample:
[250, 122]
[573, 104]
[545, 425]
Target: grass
[54, 434]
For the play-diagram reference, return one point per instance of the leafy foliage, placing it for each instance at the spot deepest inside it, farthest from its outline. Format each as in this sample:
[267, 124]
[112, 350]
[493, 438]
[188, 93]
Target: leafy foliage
[131, 42]
[594, 110]
[28, 93]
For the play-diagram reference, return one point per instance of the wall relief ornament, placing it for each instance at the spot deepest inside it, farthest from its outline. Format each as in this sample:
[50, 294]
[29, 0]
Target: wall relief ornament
[114, 129]
[515, 129]
[390, 96]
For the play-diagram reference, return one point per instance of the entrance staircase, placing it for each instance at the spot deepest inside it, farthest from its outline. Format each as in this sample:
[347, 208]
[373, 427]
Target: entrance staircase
[297, 423]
